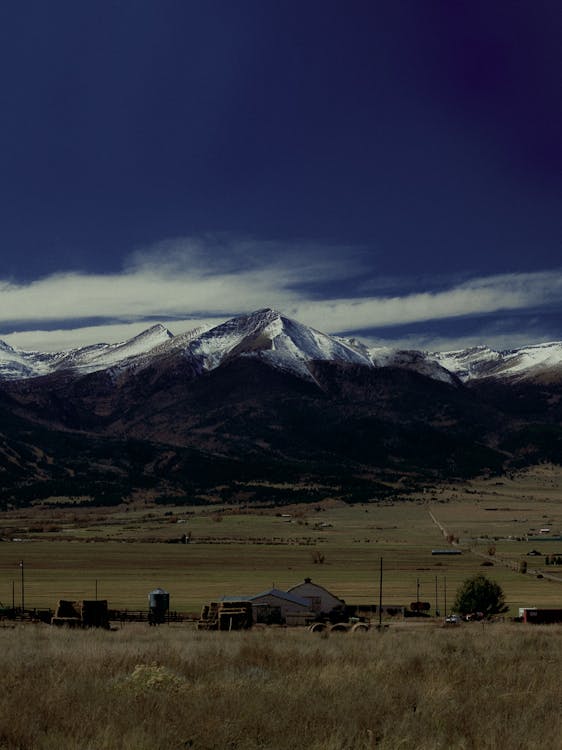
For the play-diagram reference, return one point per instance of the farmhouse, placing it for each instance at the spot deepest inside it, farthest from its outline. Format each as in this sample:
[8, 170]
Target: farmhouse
[319, 599]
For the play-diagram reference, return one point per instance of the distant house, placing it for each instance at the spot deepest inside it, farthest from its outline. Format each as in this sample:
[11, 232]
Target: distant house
[276, 606]
[448, 551]
[319, 599]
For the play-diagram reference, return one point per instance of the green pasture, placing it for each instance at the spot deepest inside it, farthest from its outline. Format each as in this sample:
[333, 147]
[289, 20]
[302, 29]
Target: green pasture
[125, 552]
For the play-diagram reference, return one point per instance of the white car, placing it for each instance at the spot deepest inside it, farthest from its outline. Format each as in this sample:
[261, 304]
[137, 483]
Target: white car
[453, 619]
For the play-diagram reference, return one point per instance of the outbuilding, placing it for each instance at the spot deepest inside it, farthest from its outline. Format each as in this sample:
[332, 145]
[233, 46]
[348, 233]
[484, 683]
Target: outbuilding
[319, 599]
[276, 606]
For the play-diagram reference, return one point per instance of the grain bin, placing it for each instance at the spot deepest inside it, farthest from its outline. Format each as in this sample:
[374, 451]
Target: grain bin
[158, 605]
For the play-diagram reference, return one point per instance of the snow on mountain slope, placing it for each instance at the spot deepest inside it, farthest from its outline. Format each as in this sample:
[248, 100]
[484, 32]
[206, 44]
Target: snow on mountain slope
[17, 364]
[411, 359]
[279, 340]
[178, 342]
[12, 363]
[514, 364]
[471, 363]
[283, 343]
[102, 356]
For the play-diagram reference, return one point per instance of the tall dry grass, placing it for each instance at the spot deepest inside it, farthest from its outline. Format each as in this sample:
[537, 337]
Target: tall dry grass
[496, 686]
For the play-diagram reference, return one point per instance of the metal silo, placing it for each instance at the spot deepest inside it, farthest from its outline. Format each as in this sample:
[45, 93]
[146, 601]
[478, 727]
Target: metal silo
[158, 605]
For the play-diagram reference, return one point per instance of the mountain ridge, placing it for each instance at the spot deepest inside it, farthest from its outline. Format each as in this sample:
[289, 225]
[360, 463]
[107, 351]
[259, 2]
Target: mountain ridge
[263, 400]
[285, 343]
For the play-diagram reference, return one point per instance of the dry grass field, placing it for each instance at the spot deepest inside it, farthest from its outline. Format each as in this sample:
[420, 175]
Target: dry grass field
[472, 687]
[125, 552]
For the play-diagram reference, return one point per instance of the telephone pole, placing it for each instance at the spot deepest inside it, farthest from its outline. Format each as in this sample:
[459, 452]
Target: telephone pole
[22, 588]
[380, 596]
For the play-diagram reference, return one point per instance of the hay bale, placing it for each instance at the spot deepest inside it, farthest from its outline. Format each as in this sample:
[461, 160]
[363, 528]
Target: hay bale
[66, 608]
[339, 627]
[317, 627]
[360, 627]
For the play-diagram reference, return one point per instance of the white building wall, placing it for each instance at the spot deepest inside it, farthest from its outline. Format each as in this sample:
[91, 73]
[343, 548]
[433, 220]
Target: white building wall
[320, 599]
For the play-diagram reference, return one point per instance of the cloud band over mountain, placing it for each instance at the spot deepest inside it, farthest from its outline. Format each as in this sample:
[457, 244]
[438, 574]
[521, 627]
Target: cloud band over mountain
[177, 281]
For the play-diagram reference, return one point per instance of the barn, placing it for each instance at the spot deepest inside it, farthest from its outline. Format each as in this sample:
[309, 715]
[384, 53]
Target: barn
[319, 599]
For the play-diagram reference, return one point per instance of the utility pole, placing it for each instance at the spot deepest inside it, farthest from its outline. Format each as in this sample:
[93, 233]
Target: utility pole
[380, 596]
[436, 599]
[22, 588]
[445, 587]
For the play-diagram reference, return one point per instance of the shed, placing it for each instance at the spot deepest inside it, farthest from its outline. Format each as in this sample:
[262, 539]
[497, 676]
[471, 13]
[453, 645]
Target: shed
[319, 599]
[277, 606]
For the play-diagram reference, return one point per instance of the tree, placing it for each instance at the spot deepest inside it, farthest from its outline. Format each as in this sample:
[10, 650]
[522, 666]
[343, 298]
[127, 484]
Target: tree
[479, 594]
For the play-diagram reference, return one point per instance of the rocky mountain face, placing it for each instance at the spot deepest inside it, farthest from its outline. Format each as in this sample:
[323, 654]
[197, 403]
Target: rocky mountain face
[263, 408]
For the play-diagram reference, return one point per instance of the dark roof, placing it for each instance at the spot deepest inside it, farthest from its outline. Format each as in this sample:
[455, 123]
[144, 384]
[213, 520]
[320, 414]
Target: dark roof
[270, 592]
[281, 595]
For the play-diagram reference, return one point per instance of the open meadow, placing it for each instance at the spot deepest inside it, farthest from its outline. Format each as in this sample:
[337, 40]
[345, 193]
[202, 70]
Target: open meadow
[122, 553]
[474, 686]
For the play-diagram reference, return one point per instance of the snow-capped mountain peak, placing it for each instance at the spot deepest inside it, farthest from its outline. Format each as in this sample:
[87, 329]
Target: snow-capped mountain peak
[274, 338]
[18, 364]
[101, 356]
[283, 343]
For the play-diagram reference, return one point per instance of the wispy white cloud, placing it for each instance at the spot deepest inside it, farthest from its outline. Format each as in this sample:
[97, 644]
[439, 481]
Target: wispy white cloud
[428, 342]
[191, 279]
[179, 278]
[475, 297]
[63, 339]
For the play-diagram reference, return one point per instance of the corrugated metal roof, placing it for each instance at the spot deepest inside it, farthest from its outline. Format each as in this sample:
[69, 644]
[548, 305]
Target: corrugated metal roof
[270, 592]
[282, 595]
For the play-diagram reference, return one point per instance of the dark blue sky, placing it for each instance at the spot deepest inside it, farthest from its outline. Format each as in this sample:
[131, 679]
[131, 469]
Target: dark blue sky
[420, 141]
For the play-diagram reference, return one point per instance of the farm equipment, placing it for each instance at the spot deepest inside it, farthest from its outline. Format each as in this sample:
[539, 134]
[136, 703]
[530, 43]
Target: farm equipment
[81, 614]
[226, 616]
